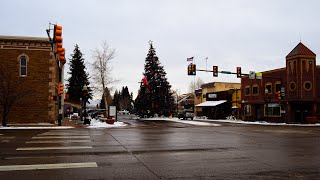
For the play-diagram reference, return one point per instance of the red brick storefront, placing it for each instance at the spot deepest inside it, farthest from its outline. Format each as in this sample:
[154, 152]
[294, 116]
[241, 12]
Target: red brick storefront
[299, 79]
[31, 59]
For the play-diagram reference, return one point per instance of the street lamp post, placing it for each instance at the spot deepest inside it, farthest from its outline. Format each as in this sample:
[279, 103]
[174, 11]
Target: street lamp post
[85, 93]
[267, 100]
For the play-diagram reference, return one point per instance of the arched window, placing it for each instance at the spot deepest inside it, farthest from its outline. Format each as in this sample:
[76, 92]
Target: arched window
[277, 86]
[23, 62]
[255, 90]
[247, 91]
[268, 86]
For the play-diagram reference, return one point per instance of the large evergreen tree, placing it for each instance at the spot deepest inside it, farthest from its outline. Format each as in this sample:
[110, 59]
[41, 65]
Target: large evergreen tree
[154, 96]
[79, 77]
[122, 99]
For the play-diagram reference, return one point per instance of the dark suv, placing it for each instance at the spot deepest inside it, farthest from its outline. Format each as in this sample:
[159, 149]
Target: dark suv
[185, 114]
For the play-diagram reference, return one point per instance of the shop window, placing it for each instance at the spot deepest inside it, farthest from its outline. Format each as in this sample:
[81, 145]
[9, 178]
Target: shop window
[273, 110]
[247, 110]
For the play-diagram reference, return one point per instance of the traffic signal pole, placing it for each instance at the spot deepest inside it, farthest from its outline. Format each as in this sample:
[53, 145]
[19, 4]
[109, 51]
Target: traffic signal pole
[59, 55]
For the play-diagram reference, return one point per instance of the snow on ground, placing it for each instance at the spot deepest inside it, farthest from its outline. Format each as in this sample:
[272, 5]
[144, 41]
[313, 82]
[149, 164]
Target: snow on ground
[98, 124]
[209, 122]
[238, 121]
[40, 127]
[199, 123]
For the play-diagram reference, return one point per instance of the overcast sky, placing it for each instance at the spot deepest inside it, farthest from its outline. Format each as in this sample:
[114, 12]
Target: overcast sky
[253, 34]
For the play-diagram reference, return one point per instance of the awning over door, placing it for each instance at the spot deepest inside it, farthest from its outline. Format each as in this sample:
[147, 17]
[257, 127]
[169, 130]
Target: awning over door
[211, 103]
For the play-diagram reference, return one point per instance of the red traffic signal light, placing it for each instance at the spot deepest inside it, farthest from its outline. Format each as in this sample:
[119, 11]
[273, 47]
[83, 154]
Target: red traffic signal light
[238, 72]
[215, 71]
[60, 88]
[192, 69]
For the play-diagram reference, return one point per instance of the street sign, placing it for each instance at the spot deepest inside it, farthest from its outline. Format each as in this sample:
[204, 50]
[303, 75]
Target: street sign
[225, 72]
[112, 111]
[258, 75]
[252, 75]
[283, 90]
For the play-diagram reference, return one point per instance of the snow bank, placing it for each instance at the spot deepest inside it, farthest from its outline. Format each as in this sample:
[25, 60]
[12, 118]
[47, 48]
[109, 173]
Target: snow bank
[198, 123]
[95, 123]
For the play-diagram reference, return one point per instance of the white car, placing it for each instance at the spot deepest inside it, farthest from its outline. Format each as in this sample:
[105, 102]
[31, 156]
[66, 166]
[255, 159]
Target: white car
[124, 112]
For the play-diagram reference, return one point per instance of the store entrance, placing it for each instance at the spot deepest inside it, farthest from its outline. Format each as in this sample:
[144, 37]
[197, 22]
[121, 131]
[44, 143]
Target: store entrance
[301, 111]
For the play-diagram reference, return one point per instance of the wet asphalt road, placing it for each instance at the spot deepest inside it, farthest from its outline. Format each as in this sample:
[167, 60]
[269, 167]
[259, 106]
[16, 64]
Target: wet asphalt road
[164, 150]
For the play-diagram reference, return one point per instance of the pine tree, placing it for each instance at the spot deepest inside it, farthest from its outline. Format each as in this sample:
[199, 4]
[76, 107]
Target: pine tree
[115, 100]
[79, 77]
[154, 96]
[109, 99]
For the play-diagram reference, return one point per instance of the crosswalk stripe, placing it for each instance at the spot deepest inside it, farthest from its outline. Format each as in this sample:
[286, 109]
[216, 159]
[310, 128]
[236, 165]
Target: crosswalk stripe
[58, 141]
[59, 137]
[51, 148]
[48, 166]
[7, 137]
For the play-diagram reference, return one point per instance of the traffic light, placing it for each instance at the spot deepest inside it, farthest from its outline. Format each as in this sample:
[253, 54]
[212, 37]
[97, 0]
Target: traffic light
[279, 97]
[60, 88]
[192, 69]
[238, 72]
[57, 34]
[215, 71]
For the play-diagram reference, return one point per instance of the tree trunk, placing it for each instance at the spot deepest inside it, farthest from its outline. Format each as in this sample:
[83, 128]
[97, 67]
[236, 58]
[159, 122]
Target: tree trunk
[105, 100]
[4, 120]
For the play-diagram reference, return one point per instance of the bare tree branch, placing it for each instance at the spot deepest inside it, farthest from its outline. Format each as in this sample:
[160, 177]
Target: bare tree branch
[102, 69]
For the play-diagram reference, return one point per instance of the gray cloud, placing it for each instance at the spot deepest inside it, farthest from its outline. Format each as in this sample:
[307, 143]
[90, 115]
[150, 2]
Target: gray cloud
[256, 35]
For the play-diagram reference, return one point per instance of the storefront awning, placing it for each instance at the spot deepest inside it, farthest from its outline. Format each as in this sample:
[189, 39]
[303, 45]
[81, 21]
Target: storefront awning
[211, 103]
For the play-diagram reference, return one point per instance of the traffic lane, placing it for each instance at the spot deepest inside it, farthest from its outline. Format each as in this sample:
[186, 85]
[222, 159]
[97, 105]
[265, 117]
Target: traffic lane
[114, 166]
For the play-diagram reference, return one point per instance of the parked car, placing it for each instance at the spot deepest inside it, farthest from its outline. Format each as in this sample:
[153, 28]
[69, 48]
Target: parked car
[185, 114]
[98, 112]
[75, 116]
[124, 112]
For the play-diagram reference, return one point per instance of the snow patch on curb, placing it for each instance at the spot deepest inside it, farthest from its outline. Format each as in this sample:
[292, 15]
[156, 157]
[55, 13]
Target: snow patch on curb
[54, 127]
[198, 123]
[98, 124]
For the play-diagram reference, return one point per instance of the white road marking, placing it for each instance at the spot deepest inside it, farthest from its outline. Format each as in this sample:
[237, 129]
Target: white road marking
[5, 141]
[60, 137]
[1, 134]
[53, 147]
[63, 134]
[59, 141]
[7, 137]
[48, 166]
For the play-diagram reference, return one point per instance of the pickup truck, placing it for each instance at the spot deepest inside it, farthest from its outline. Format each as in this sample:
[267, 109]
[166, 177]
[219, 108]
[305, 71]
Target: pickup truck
[185, 114]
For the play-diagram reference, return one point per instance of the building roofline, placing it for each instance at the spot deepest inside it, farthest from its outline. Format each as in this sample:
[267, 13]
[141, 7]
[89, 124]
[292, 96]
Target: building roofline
[210, 83]
[273, 70]
[25, 38]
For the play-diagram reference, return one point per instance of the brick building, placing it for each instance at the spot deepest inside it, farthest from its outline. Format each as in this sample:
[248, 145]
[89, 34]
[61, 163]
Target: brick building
[31, 60]
[299, 81]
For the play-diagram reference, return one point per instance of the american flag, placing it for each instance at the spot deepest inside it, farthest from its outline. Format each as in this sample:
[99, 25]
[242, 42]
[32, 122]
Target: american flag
[190, 59]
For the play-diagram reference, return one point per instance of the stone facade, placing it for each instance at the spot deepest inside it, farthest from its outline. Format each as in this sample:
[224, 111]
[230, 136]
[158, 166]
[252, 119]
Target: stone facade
[41, 76]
